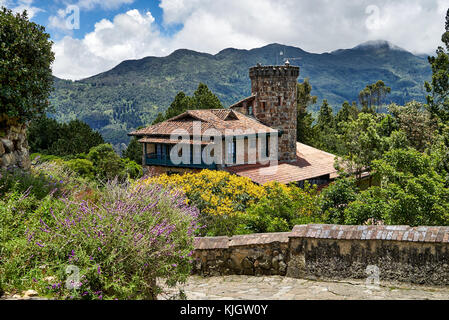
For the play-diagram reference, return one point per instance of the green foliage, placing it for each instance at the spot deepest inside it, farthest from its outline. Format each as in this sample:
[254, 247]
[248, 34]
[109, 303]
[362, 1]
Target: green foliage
[363, 142]
[47, 136]
[202, 98]
[134, 151]
[82, 167]
[132, 169]
[347, 112]
[335, 198]
[412, 192]
[44, 179]
[129, 237]
[438, 88]
[373, 96]
[305, 120]
[417, 124]
[325, 129]
[25, 66]
[281, 208]
[107, 163]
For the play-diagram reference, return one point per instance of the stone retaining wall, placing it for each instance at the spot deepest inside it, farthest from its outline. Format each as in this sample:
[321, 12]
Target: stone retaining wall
[259, 254]
[400, 253]
[14, 148]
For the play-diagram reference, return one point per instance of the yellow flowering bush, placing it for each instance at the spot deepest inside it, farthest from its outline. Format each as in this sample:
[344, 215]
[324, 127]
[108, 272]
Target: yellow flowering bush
[231, 205]
[222, 198]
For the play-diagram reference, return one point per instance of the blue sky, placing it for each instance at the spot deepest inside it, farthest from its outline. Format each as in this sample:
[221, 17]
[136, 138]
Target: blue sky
[88, 18]
[111, 31]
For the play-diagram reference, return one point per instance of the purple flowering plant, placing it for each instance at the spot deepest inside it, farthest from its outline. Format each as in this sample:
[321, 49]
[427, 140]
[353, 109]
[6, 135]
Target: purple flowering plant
[122, 243]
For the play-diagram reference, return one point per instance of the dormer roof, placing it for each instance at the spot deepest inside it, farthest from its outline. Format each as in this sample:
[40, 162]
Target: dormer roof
[224, 121]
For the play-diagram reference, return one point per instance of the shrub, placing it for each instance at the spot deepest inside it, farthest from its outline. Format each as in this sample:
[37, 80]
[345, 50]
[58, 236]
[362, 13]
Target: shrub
[281, 208]
[133, 170]
[107, 163]
[335, 198]
[413, 192]
[222, 198]
[120, 245]
[39, 185]
[83, 167]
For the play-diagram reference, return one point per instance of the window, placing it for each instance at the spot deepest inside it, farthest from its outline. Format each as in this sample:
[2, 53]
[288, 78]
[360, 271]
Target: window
[231, 151]
[250, 110]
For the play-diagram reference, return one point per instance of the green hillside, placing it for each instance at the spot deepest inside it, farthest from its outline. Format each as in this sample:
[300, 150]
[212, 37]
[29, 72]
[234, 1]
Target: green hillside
[132, 93]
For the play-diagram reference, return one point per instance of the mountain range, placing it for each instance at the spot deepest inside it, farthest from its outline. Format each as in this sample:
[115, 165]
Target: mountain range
[135, 91]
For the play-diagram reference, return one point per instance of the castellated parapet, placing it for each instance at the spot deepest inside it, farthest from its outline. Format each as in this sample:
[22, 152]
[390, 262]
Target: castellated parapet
[275, 91]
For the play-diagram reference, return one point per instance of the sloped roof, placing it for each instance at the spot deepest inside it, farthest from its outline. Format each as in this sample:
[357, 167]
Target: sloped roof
[218, 119]
[310, 163]
[170, 141]
[239, 104]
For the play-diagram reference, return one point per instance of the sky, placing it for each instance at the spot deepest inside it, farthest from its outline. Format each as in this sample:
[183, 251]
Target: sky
[93, 36]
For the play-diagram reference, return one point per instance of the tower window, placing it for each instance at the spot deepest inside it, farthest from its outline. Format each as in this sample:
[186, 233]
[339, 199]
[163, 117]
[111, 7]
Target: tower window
[250, 110]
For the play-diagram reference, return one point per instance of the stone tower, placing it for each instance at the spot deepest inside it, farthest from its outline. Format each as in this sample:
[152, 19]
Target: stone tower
[274, 88]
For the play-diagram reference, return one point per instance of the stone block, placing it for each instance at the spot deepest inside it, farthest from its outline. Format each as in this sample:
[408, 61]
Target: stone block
[8, 145]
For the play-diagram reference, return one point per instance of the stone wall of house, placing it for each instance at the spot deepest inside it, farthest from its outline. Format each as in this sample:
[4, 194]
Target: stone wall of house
[275, 91]
[14, 148]
[394, 253]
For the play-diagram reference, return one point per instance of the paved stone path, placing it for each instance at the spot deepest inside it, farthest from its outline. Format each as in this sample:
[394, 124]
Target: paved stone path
[282, 288]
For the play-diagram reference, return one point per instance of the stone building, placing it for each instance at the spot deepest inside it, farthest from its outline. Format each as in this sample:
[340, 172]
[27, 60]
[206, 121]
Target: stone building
[273, 102]
[257, 136]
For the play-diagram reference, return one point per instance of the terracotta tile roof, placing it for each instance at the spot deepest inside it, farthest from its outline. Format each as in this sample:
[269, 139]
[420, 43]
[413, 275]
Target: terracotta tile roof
[238, 104]
[311, 163]
[169, 141]
[219, 119]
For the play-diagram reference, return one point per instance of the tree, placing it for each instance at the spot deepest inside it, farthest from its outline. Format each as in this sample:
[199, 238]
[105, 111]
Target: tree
[438, 89]
[417, 123]
[202, 98]
[347, 112]
[412, 193]
[25, 67]
[325, 130]
[42, 133]
[305, 119]
[373, 96]
[335, 198]
[107, 163]
[66, 139]
[362, 142]
[134, 151]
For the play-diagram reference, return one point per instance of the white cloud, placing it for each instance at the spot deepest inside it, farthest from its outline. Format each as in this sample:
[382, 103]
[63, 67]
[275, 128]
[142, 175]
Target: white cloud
[130, 35]
[105, 4]
[21, 5]
[212, 25]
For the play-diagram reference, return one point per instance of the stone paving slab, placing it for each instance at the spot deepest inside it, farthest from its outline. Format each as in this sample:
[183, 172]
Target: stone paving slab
[283, 288]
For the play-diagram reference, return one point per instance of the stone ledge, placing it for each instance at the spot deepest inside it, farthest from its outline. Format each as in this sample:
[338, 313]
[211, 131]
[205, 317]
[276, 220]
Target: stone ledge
[209, 243]
[388, 233]
[259, 239]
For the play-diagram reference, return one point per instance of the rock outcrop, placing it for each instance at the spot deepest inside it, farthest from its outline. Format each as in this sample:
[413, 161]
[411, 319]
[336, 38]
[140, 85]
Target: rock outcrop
[14, 148]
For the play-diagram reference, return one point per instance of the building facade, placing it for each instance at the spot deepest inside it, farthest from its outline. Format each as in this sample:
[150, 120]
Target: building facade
[256, 137]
